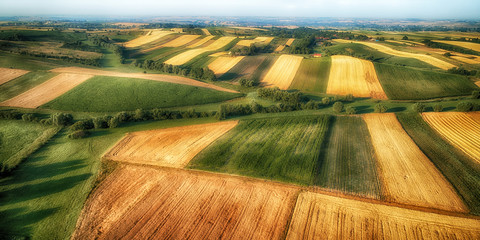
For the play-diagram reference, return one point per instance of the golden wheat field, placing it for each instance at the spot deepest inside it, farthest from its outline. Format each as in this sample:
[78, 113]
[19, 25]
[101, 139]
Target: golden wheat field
[7, 74]
[180, 41]
[469, 45]
[184, 57]
[200, 42]
[147, 38]
[283, 71]
[47, 91]
[349, 75]
[171, 147]
[408, 176]
[461, 129]
[221, 65]
[318, 216]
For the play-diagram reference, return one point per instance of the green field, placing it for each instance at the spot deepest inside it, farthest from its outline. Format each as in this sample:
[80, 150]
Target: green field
[245, 68]
[460, 170]
[10, 60]
[347, 160]
[23, 83]
[312, 75]
[284, 149]
[402, 83]
[44, 196]
[113, 94]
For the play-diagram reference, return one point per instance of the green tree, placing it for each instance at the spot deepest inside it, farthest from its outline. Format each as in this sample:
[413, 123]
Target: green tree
[350, 110]
[419, 107]
[438, 107]
[405, 37]
[380, 108]
[338, 107]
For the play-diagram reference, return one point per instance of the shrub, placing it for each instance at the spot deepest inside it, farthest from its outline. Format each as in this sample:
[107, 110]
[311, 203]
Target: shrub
[47, 121]
[476, 95]
[99, 122]
[247, 82]
[419, 107]
[62, 119]
[350, 110]
[380, 108]
[338, 107]
[464, 106]
[80, 125]
[28, 117]
[349, 98]
[438, 107]
[78, 134]
[113, 122]
[140, 115]
[124, 117]
[326, 101]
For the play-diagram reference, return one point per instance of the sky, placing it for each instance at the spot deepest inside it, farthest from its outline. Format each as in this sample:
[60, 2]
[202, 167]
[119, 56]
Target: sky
[426, 9]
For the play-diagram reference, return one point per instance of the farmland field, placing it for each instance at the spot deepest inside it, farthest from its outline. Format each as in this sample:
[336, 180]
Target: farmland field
[262, 40]
[163, 204]
[312, 75]
[147, 38]
[283, 71]
[281, 149]
[7, 74]
[244, 69]
[46, 91]
[21, 84]
[408, 175]
[318, 216]
[201, 42]
[221, 65]
[128, 94]
[459, 169]
[180, 41]
[469, 45]
[171, 147]
[420, 84]
[355, 76]
[461, 129]
[184, 57]
[347, 162]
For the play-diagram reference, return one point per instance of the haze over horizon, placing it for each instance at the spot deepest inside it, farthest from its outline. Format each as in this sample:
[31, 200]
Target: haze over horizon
[425, 9]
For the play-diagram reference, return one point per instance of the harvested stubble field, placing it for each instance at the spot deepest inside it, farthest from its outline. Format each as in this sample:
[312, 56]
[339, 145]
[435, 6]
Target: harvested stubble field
[155, 77]
[221, 65]
[312, 75]
[245, 68]
[171, 147]
[422, 57]
[349, 75]
[261, 40]
[180, 41]
[318, 216]
[461, 129]
[283, 71]
[7, 74]
[140, 202]
[184, 57]
[408, 176]
[281, 149]
[201, 42]
[347, 162]
[469, 45]
[47, 91]
[147, 38]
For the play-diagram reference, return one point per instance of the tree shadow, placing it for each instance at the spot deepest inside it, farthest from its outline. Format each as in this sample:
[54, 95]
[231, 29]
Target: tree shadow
[15, 223]
[397, 109]
[363, 109]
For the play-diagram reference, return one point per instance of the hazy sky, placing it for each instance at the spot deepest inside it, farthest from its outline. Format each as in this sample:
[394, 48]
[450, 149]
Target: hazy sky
[460, 9]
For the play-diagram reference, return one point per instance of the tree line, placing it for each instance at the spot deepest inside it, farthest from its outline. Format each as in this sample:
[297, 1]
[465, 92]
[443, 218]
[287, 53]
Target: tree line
[192, 72]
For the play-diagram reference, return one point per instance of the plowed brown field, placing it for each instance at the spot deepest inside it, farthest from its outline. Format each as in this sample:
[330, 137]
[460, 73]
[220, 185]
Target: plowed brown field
[221, 65]
[155, 77]
[184, 57]
[46, 91]
[137, 202]
[461, 129]
[409, 177]
[147, 38]
[7, 74]
[318, 216]
[283, 71]
[349, 75]
[171, 147]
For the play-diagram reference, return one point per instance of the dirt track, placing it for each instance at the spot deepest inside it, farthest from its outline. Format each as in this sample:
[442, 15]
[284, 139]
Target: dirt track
[145, 203]
[7, 74]
[171, 147]
[47, 91]
[155, 77]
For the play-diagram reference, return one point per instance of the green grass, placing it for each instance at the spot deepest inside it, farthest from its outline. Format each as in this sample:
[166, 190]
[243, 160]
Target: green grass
[347, 160]
[461, 171]
[23, 83]
[244, 68]
[113, 94]
[312, 75]
[400, 83]
[43, 198]
[8, 60]
[284, 149]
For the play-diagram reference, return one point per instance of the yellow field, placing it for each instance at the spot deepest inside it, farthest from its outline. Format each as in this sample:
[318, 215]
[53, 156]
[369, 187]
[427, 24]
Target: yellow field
[184, 57]
[477, 83]
[409, 177]
[147, 38]
[221, 65]
[461, 129]
[247, 43]
[422, 57]
[7, 74]
[349, 75]
[318, 216]
[180, 41]
[469, 45]
[204, 30]
[290, 41]
[201, 42]
[218, 54]
[283, 71]
[280, 48]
